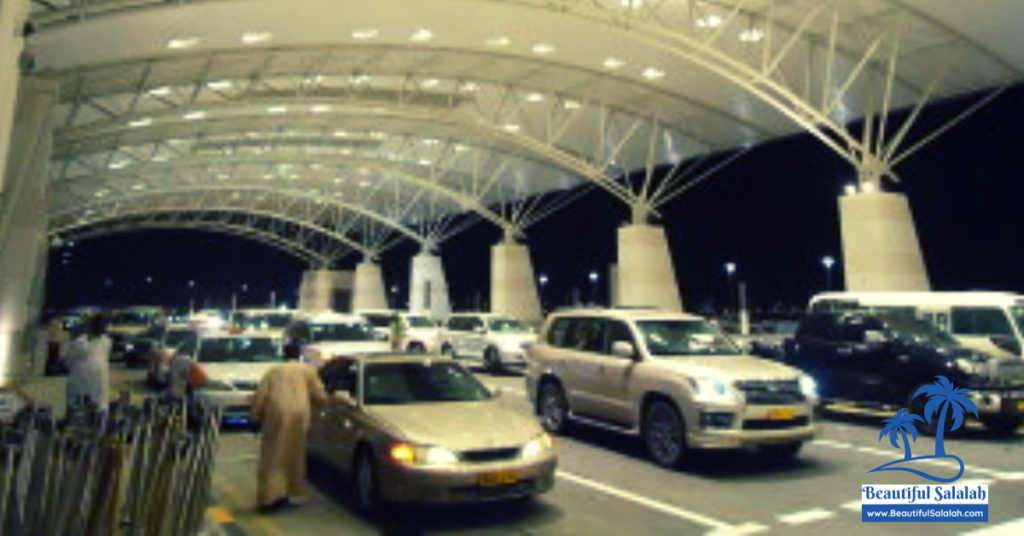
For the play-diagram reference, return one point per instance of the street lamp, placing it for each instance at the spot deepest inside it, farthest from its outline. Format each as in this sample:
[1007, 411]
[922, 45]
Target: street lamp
[593, 286]
[827, 261]
[543, 279]
[730, 269]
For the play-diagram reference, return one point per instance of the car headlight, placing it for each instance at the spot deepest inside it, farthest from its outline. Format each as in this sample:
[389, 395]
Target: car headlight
[808, 387]
[712, 390]
[536, 446]
[422, 455]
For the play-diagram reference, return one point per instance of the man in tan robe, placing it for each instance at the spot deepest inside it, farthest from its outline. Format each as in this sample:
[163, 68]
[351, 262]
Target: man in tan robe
[284, 404]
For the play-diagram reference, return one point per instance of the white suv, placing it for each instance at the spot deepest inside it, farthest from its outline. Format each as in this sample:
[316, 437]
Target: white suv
[670, 377]
[498, 341]
[324, 336]
[419, 333]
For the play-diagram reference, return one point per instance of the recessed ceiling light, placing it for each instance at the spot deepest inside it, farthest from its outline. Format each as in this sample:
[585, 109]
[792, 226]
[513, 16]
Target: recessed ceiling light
[543, 48]
[430, 82]
[360, 79]
[340, 134]
[752, 35]
[460, 148]
[160, 91]
[469, 87]
[118, 165]
[653, 73]
[183, 43]
[339, 181]
[363, 171]
[571, 105]
[425, 162]
[709, 21]
[223, 176]
[194, 116]
[160, 158]
[251, 38]
[277, 110]
[138, 187]
[101, 193]
[219, 84]
[368, 33]
[320, 108]
[512, 127]
[268, 176]
[144, 122]
[535, 97]
[378, 135]
[632, 4]
[346, 152]
[422, 35]
[499, 41]
[364, 184]
[431, 141]
[613, 63]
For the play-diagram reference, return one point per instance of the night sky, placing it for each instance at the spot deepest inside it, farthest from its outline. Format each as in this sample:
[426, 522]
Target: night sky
[774, 212]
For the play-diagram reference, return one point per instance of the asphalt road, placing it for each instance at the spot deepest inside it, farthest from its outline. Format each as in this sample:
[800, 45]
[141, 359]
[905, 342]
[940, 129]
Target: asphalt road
[606, 485]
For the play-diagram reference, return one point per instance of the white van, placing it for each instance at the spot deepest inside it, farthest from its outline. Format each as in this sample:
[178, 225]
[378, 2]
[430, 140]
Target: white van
[991, 322]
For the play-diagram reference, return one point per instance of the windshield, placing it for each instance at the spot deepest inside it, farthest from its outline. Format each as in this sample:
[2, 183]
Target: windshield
[1017, 314]
[685, 337]
[239, 350]
[507, 325]
[341, 332]
[419, 322]
[175, 337]
[427, 381]
[131, 319]
[920, 330]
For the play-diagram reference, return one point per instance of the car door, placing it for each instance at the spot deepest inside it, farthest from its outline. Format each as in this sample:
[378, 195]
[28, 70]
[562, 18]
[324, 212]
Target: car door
[583, 351]
[335, 424]
[861, 362]
[813, 350]
[474, 338]
[616, 374]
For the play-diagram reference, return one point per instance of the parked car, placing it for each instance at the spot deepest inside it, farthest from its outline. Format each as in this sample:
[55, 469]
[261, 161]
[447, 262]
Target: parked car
[886, 357]
[497, 340]
[158, 359]
[415, 429]
[325, 336]
[129, 322]
[234, 365]
[419, 333]
[671, 378]
[273, 321]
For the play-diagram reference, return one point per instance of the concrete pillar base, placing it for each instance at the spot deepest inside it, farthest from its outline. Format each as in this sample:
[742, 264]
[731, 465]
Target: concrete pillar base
[513, 287]
[428, 290]
[880, 246]
[368, 293]
[645, 273]
[326, 290]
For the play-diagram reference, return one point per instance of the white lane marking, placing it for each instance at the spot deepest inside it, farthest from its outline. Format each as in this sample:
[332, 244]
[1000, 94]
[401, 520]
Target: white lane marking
[973, 482]
[720, 527]
[874, 451]
[1009, 476]
[852, 505]
[1010, 528]
[798, 518]
[739, 530]
[949, 464]
[832, 444]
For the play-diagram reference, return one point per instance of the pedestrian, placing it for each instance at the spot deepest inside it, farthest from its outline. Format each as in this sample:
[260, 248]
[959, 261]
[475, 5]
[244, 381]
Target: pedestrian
[57, 339]
[88, 362]
[283, 406]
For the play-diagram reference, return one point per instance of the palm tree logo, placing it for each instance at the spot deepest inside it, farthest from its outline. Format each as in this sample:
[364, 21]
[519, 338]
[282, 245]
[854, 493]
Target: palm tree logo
[942, 397]
[901, 424]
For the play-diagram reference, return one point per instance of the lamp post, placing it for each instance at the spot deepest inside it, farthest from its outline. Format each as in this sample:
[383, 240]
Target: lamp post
[543, 281]
[730, 269]
[593, 287]
[827, 261]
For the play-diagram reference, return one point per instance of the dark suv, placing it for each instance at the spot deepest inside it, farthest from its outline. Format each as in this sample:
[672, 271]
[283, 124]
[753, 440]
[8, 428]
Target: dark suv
[886, 357]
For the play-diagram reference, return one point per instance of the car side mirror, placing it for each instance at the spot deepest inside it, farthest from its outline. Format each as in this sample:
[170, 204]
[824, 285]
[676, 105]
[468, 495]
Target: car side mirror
[624, 349]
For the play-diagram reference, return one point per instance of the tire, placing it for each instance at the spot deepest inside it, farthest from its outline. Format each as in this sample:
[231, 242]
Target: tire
[1003, 425]
[492, 360]
[553, 408]
[785, 451]
[664, 434]
[416, 348]
[447, 350]
[364, 484]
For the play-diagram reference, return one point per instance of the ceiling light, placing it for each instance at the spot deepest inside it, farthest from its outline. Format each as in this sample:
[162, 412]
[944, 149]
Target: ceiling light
[378, 135]
[360, 79]
[339, 181]
[368, 33]
[425, 162]
[753, 35]
[571, 105]
[469, 86]
[613, 63]
[346, 152]
[632, 4]
[653, 73]
[364, 184]
[251, 38]
[268, 176]
[363, 171]
[512, 128]
[868, 187]
[535, 97]
[543, 48]
[316, 165]
[459, 148]
[277, 110]
[294, 177]
[144, 122]
[430, 82]
[223, 176]
[499, 41]
[338, 194]
[118, 165]
[160, 158]
[101, 193]
[183, 43]
[219, 84]
[422, 35]
[851, 189]
[194, 116]
[160, 91]
[319, 109]
[138, 187]
[340, 134]
[710, 21]
[431, 141]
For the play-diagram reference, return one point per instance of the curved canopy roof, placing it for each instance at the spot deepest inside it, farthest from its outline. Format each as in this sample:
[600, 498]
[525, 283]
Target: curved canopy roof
[397, 116]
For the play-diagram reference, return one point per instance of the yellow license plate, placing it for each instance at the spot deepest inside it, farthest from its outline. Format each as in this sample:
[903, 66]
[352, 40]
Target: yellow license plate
[1020, 405]
[500, 478]
[781, 414]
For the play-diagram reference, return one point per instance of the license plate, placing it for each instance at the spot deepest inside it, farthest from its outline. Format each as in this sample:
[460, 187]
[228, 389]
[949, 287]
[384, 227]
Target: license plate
[781, 414]
[498, 479]
[1020, 405]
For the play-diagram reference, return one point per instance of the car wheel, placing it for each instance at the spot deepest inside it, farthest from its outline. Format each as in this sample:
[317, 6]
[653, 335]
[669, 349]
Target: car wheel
[364, 484]
[416, 348]
[553, 409]
[664, 434]
[492, 360]
[1003, 425]
[784, 451]
[447, 350]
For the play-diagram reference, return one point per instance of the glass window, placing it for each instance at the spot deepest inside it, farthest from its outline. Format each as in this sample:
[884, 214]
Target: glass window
[585, 335]
[918, 329]
[179, 337]
[559, 328]
[380, 321]
[473, 322]
[426, 381]
[617, 331]
[982, 321]
[341, 332]
[1017, 314]
[684, 337]
[418, 322]
[339, 375]
[239, 350]
[507, 325]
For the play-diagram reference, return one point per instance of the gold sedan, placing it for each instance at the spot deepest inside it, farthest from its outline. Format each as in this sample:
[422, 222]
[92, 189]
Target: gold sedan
[420, 429]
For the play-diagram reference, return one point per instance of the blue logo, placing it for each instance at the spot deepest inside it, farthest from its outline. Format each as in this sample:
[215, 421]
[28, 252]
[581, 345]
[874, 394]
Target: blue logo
[943, 398]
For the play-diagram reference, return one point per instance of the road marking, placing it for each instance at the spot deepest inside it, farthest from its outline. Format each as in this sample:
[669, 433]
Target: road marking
[832, 444]
[1009, 476]
[973, 482]
[993, 473]
[1010, 528]
[852, 505]
[874, 451]
[719, 527]
[264, 525]
[799, 518]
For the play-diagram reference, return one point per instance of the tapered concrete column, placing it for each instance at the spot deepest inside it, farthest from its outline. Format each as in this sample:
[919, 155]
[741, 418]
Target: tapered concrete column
[646, 276]
[23, 238]
[880, 247]
[316, 292]
[613, 280]
[428, 290]
[368, 291]
[13, 14]
[513, 287]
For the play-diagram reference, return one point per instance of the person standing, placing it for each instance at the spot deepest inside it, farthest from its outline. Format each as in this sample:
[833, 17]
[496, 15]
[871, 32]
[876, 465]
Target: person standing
[57, 339]
[88, 362]
[283, 406]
